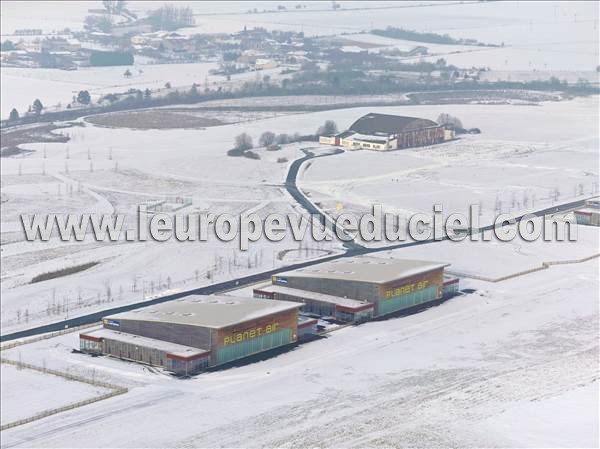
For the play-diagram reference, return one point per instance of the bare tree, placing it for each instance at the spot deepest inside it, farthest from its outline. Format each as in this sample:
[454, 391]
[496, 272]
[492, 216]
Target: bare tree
[107, 289]
[449, 120]
[525, 199]
[243, 142]
[267, 138]
[328, 128]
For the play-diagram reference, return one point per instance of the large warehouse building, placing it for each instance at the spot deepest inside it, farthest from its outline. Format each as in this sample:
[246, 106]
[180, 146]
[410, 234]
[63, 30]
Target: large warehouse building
[359, 288]
[189, 334]
[589, 215]
[382, 132]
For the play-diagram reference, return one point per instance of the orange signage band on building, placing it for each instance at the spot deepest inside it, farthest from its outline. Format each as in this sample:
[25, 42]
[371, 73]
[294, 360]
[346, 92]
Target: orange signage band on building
[406, 289]
[250, 333]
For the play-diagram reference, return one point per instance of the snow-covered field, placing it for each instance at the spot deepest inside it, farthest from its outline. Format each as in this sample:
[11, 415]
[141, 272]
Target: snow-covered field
[20, 87]
[540, 40]
[26, 393]
[524, 155]
[53, 86]
[127, 167]
[512, 365]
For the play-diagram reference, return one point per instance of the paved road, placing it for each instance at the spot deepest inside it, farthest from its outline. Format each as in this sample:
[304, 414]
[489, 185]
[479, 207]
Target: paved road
[352, 250]
[296, 193]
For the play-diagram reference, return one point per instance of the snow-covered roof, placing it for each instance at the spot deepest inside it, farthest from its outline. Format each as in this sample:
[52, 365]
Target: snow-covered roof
[369, 138]
[161, 345]
[331, 299]
[366, 269]
[588, 211]
[351, 49]
[207, 311]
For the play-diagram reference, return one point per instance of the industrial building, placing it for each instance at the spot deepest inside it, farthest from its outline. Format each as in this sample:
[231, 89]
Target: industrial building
[307, 327]
[359, 288]
[589, 215]
[337, 307]
[383, 132]
[189, 334]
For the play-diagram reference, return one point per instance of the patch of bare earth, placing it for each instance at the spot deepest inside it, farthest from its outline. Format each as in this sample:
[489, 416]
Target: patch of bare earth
[13, 137]
[152, 119]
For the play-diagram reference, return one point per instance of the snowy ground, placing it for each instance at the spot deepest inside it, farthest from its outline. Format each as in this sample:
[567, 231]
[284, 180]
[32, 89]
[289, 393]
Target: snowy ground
[131, 166]
[26, 392]
[523, 156]
[541, 39]
[512, 365]
[125, 169]
[20, 87]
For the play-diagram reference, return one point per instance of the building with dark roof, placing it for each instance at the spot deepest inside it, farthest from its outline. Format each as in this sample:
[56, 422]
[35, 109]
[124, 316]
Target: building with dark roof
[384, 132]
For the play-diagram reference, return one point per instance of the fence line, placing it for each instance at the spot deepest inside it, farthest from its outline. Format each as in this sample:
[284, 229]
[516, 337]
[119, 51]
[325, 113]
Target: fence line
[16, 343]
[544, 266]
[115, 391]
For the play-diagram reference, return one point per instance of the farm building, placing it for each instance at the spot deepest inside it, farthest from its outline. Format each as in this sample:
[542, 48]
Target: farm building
[382, 132]
[360, 287]
[189, 334]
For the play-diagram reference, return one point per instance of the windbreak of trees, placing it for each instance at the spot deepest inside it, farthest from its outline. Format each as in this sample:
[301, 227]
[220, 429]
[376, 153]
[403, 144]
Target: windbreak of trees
[243, 143]
[430, 38]
[359, 86]
[170, 17]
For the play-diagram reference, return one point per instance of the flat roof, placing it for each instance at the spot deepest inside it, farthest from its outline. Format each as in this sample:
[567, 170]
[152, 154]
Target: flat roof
[161, 345]
[588, 211]
[207, 311]
[332, 299]
[366, 269]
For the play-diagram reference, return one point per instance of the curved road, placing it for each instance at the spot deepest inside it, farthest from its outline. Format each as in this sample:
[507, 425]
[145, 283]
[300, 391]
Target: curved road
[352, 249]
[296, 193]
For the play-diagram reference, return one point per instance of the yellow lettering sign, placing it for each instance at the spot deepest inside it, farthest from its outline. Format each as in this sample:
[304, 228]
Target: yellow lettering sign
[249, 334]
[405, 289]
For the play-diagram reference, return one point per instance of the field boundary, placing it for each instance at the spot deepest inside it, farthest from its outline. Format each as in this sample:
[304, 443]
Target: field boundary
[115, 390]
[27, 341]
[544, 266]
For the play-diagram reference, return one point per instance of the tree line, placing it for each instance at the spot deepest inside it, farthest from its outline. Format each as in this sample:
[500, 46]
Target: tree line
[243, 143]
